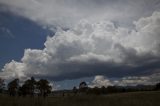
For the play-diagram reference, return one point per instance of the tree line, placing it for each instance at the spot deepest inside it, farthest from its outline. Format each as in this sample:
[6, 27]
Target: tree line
[83, 88]
[29, 87]
[41, 87]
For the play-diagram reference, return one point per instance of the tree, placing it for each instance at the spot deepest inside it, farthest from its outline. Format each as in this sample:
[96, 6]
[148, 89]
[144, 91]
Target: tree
[83, 87]
[158, 86]
[75, 90]
[13, 87]
[103, 90]
[2, 85]
[28, 87]
[44, 87]
[97, 90]
[23, 90]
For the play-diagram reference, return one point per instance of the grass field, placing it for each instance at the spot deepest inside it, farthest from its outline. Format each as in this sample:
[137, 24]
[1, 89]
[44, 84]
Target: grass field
[151, 98]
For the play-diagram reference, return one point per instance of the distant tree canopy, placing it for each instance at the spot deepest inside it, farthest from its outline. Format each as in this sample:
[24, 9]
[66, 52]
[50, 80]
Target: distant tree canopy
[29, 87]
[158, 86]
[2, 85]
[83, 87]
[13, 87]
[44, 87]
[75, 90]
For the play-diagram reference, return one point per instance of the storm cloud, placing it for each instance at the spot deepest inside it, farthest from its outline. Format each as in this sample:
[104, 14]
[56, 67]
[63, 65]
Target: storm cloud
[67, 13]
[117, 41]
[89, 49]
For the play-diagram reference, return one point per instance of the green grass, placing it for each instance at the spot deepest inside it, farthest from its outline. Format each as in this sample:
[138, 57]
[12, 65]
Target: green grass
[151, 98]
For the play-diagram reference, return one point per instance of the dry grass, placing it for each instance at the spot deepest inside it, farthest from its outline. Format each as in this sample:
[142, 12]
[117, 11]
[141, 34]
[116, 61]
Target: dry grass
[151, 98]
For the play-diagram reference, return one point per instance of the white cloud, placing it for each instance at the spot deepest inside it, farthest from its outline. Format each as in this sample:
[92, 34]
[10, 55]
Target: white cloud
[101, 80]
[93, 48]
[9, 67]
[66, 13]
[54, 86]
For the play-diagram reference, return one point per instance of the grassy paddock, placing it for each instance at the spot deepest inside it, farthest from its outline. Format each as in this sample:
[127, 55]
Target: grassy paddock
[151, 98]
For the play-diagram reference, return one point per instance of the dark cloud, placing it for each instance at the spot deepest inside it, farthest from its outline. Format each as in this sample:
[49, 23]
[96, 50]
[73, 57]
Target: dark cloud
[92, 48]
[58, 12]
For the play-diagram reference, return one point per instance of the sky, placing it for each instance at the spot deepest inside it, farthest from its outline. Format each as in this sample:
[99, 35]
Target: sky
[102, 42]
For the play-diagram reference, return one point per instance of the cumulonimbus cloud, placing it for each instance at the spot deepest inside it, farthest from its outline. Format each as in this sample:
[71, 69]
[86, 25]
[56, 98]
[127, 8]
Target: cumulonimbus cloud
[66, 13]
[91, 49]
